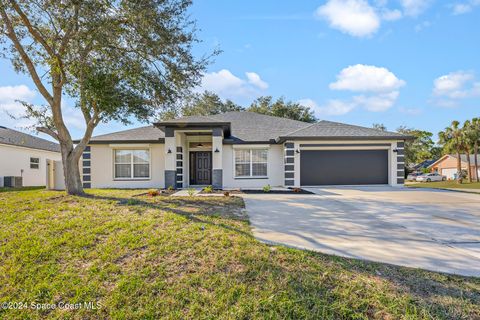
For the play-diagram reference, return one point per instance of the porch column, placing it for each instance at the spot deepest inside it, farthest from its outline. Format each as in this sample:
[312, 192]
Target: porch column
[217, 156]
[180, 160]
[170, 155]
[289, 163]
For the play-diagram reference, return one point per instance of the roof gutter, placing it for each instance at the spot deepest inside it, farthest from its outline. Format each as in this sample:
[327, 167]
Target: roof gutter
[282, 139]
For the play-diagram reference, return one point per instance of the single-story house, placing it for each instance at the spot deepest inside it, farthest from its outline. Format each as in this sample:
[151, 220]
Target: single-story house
[243, 150]
[26, 156]
[447, 165]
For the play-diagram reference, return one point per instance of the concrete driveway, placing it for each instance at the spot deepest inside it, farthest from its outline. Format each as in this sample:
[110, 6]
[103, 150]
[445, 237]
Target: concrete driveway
[421, 228]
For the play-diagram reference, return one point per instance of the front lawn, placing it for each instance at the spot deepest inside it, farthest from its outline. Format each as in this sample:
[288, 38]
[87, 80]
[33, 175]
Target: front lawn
[138, 257]
[451, 184]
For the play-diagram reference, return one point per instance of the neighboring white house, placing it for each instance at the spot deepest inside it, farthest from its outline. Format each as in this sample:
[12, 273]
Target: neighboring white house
[243, 150]
[26, 156]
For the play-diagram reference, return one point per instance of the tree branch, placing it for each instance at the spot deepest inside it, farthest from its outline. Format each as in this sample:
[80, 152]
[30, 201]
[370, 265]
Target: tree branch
[26, 59]
[48, 131]
[33, 31]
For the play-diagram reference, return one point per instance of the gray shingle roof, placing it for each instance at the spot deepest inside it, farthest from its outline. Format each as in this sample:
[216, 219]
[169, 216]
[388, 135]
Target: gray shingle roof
[335, 130]
[20, 139]
[250, 126]
[253, 127]
[142, 134]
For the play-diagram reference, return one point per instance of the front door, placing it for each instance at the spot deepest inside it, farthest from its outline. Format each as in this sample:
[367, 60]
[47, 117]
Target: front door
[200, 168]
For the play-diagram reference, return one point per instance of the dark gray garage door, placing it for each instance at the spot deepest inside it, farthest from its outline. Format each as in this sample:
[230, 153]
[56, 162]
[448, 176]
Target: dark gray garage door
[343, 167]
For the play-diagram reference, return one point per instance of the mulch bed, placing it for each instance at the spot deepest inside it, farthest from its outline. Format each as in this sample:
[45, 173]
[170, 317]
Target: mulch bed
[297, 191]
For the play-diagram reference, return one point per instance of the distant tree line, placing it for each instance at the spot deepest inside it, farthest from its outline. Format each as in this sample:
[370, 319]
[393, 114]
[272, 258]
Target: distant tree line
[455, 139]
[209, 103]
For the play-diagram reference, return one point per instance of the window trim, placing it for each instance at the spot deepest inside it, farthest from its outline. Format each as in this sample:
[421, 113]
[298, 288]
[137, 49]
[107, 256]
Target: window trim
[35, 163]
[132, 178]
[251, 176]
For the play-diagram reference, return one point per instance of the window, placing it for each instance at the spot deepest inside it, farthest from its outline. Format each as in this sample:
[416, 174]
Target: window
[34, 163]
[132, 164]
[251, 163]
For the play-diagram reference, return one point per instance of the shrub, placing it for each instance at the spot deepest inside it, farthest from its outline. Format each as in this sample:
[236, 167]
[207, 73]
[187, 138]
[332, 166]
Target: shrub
[153, 192]
[267, 188]
[170, 188]
[297, 190]
[208, 189]
[191, 191]
[226, 194]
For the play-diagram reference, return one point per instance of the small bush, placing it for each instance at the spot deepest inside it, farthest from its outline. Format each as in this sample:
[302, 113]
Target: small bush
[170, 188]
[191, 192]
[297, 190]
[226, 194]
[153, 192]
[267, 188]
[208, 189]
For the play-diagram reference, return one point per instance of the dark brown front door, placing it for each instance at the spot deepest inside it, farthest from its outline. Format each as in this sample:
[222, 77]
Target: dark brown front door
[201, 168]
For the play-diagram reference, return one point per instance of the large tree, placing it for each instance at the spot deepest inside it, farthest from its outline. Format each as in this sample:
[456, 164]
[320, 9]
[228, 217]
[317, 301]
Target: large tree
[419, 149]
[116, 59]
[452, 140]
[282, 108]
[201, 104]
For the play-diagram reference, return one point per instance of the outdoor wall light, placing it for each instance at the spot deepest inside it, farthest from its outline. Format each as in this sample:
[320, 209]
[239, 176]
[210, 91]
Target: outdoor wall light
[297, 151]
[216, 150]
[169, 150]
[395, 150]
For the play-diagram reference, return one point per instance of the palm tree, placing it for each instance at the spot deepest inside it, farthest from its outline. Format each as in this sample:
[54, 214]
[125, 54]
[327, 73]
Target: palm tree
[468, 141]
[452, 140]
[475, 126]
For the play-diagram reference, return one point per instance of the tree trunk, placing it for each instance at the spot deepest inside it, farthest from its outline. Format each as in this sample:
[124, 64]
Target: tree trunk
[459, 167]
[71, 171]
[469, 169]
[475, 152]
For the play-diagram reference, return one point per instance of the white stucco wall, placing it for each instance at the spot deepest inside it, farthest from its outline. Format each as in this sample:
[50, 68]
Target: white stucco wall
[13, 159]
[392, 156]
[275, 168]
[102, 174]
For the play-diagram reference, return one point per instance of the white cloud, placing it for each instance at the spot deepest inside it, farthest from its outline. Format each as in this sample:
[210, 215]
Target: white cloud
[379, 87]
[9, 105]
[255, 80]
[449, 89]
[456, 85]
[354, 17]
[391, 15]
[365, 78]
[377, 103]
[333, 107]
[227, 85]
[465, 7]
[414, 7]
[12, 93]
[461, 8]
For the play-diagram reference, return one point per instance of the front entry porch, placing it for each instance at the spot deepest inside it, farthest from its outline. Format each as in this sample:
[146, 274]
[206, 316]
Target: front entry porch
[197, 160]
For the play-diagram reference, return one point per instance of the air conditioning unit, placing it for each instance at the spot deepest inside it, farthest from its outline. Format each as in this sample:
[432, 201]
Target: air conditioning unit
[13, 182]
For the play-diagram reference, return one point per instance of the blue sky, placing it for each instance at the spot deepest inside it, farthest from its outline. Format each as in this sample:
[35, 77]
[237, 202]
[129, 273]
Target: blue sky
[396, 62]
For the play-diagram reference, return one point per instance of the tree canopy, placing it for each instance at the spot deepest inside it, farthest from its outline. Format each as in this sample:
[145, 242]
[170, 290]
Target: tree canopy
[421, 148]
[281, 108]
[209, 103]
[116, 59]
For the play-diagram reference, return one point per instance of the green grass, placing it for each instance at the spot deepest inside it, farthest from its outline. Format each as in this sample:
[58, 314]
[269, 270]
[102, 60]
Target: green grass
[444, 185]
[5, 189]
[194, 258]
